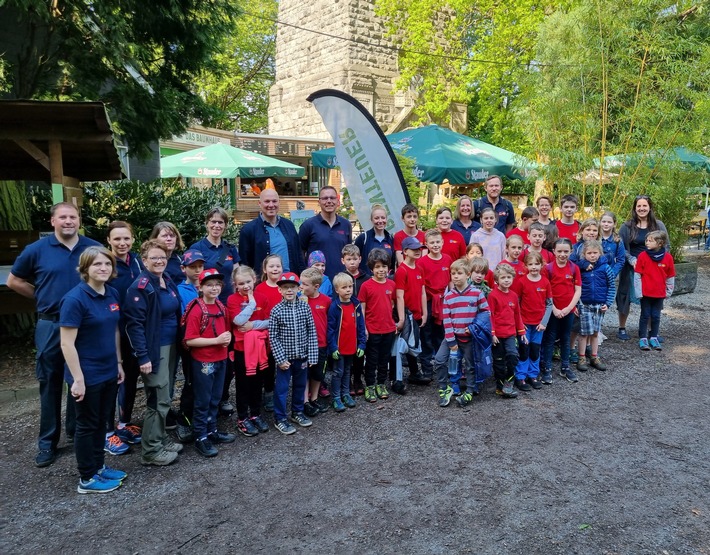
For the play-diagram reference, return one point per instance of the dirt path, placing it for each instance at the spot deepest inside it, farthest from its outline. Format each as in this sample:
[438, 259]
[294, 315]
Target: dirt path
[618, 463]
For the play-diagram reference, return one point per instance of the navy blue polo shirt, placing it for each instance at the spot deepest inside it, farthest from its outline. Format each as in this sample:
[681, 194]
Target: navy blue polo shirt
[96, 316]
[316, 234]
[51, 267]
[212, 255]
[456, 225]
[504, 210]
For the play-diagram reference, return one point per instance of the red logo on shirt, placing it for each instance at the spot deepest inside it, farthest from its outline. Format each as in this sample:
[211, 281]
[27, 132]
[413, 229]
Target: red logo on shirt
[113, 307]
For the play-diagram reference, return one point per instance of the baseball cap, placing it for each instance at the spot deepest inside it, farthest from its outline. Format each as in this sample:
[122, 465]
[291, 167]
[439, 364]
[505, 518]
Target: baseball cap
[191, 256]
[411, 243]
[288, 277]
[210, 274]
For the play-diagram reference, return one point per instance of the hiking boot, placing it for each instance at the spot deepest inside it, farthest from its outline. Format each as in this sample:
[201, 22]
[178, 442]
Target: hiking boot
[269, 402]
[349, 402]
[534, 383]
[184, 433]
[205, 448]
[129, 434]
[370, 394]
[381, 391]
[163, 458]
[569, 374]
[596, 362]
[546, 377]
[464, 399]
[221, 437]
[260, 424]
[97, 484]
[445, 396]
[655, 344]
[522, 385]
[284, 426]
[310, 409]
[582, 365]
[506, 391]
[108, 473]
[45, 457]
[338, 405]
[301, 419]
[246, 427]
[643, 344]
[398, 388]
[114, 446]
[172, 446]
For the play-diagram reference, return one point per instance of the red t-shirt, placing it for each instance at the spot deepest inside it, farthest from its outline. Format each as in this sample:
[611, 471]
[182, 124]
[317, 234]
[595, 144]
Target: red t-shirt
[236, 303]
[319, 308]
[563, 282]
[411, 281]
[506, 320]
[379, 299]
[454, 244]
[654, 274]
[216, 325]
[523, 234]
[533, 296]
[272, 297]
[401, 235]
[568, 231]
[347, 339]
[436, 273]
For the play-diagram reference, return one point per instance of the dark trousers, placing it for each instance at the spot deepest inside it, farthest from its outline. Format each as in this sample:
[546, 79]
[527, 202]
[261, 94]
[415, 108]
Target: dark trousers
[650, 311]
[299, 372]
[505, 359]
[431, 336]
[358, 370]
[49, 370]
[248, 388]
[207, 383]
[187, 396]
[378, 350]
[127, 389]
[91, 414]
[557, 328]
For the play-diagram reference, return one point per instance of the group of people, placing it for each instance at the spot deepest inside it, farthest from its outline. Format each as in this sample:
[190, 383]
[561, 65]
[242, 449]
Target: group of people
[311, 313]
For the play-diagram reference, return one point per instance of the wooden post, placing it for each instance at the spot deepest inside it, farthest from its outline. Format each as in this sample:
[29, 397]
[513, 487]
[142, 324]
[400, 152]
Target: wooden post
[56, 170]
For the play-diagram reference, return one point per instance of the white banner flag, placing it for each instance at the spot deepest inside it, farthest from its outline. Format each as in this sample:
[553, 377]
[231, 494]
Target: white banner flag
[367, 162]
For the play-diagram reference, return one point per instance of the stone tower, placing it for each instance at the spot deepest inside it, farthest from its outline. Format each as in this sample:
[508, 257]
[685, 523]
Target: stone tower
[358, 59]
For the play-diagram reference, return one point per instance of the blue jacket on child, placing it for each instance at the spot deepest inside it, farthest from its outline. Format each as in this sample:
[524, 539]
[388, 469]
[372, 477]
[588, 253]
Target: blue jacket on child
[335, 319]
[598, 284]
[615, 253]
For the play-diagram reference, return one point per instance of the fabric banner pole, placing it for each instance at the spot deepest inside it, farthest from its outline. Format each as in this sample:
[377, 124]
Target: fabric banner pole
[366, 159]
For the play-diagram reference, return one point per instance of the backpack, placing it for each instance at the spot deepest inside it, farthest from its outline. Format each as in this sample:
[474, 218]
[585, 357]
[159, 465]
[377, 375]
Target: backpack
[207, 318]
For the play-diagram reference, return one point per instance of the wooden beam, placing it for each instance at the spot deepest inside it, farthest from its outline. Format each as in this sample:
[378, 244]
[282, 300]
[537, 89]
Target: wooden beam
[34, 151]
[56, 170]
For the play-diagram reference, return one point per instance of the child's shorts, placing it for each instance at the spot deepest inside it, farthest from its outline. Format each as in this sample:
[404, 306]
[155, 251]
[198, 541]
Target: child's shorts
[590, 319]
[317, 372]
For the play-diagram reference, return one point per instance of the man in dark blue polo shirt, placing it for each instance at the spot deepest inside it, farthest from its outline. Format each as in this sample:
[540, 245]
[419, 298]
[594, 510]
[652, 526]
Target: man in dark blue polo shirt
[493, 199]
[327, 232]
[269, 233]
[46, 271]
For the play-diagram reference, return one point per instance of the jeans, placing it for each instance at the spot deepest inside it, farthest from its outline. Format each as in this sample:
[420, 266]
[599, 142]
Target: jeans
[650, 310]
[529, 355]
[557, 328]
[505, 359]
[50, 375]
[207, 384]
[340, 381]
[298, 371]
[441, 361]
[91, 414]
[378, 351]
[157, 403]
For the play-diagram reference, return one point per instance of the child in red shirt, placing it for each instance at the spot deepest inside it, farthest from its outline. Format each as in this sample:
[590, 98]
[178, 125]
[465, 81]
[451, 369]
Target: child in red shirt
[453, 242]
[377, 300]
[567, 226]
[654, 280]
[536, 239]
[410, 217]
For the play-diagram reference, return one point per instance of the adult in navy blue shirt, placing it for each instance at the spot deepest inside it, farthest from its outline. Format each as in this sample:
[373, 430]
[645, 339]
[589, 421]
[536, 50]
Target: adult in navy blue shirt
[90, 340]
[464, 221]
[46, 271]
[327, 232]
[502, 207]
[269, 233]
[219, 253]
[168, 233]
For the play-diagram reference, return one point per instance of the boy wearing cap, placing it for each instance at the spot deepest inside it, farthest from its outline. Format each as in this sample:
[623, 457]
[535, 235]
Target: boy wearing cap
[207, 335]
[294, 344]
[193, 262]
[409, 288]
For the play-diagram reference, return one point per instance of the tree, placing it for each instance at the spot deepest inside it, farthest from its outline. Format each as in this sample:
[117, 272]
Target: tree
[141, 58]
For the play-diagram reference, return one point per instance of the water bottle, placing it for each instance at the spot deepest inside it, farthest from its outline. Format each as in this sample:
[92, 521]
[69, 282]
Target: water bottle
[454, 362]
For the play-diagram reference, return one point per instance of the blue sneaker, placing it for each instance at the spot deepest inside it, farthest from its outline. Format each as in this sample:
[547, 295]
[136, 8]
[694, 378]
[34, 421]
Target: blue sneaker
[569, 374]
[338, 405]
[643, 344]
[114, 445]
[349, 402]
[129, 434]
[655, 344]
[97, 484]
[108, 473]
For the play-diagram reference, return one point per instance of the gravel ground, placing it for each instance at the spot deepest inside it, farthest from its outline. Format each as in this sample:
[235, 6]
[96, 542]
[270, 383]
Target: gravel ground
[618, 463]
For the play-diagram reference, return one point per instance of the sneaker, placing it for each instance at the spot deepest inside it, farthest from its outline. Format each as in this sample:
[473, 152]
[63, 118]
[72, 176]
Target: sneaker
[522, 385]
[97, 484]
[349, 402]
[205, 448]
[114, 445]
[284, 426]
[310, 409]
[596, 362]
[171, 420]
[464, 399]
[506, 391]
[534, 383]
[398, 388]
[163, 458]
[323, 391]
[260, 424]
[370, 394]
[655, 344]
[621, 334]
[321, 405]
[569, 374]
[338, 405]
[381, 391]
[445, 396]
[574, 356]
[108, 473]
[172, 446]
[45, 457]
[475, 389]
[184, 433]
[301, 419]
[129, 434]
[582, 364]
[246, 427]
[222, 437]
[456, 388]
[546, 377]
[269, 402]
[643, 344]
